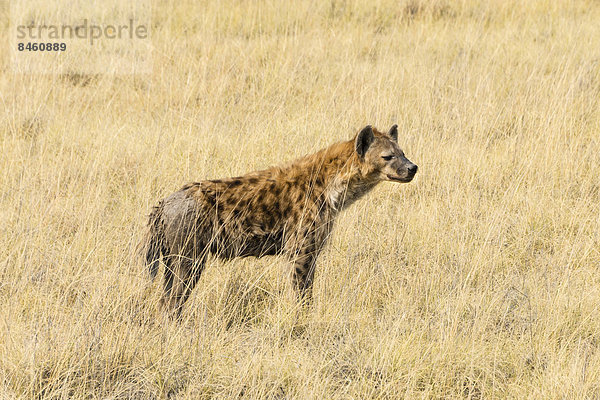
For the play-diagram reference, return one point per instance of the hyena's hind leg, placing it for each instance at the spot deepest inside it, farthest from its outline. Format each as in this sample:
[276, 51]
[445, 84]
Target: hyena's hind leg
[181, 276]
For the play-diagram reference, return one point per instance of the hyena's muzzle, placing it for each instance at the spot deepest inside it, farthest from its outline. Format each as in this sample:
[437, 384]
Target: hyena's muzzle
[404, 170]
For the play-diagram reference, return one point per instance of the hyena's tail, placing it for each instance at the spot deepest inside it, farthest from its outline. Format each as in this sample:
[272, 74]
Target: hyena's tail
[154, 243]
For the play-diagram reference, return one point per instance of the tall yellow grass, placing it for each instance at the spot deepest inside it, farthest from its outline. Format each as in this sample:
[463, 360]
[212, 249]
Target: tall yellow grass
[479, 279]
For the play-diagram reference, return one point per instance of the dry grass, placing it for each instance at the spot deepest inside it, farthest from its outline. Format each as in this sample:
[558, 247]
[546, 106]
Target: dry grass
[479, 279]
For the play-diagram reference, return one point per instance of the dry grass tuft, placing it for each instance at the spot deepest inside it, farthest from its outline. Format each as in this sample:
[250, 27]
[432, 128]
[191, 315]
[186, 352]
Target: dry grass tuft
[478, 280]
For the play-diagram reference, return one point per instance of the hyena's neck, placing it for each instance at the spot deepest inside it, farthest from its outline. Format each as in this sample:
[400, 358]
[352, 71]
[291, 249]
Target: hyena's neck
[344, 191]
[335, 175]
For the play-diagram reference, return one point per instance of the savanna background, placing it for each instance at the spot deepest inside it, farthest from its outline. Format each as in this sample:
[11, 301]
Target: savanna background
[477, 280]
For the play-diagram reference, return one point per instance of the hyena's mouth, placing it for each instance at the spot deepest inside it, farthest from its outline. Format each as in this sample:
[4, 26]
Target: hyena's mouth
[400, 179]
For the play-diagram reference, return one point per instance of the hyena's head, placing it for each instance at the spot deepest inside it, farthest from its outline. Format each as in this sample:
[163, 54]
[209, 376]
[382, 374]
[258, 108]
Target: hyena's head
[381, 157]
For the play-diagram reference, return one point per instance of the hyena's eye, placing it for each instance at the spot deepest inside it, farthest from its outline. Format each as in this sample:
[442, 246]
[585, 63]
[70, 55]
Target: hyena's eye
[387, 158]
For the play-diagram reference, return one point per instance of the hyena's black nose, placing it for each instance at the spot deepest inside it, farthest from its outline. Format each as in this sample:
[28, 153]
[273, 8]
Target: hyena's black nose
[413, 169]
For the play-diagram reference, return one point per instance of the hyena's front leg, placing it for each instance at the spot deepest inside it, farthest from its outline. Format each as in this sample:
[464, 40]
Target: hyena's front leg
[305, 257]
[304, 262]
[303, 274]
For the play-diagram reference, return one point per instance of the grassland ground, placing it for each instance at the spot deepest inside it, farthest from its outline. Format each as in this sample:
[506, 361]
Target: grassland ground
[477, 280]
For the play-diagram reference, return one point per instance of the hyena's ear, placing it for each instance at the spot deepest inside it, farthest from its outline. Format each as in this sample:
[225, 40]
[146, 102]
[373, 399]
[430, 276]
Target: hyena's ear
[363, 140]
[393, 133]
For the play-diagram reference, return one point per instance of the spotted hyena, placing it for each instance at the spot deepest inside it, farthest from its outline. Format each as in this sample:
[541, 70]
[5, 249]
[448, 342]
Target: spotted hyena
[288, 210]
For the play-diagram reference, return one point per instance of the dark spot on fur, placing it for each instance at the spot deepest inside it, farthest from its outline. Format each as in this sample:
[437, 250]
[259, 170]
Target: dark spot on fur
[275, 190]
[276, 205]
[210, 198]
[284, 208]
[242, 204]
[265, 209]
